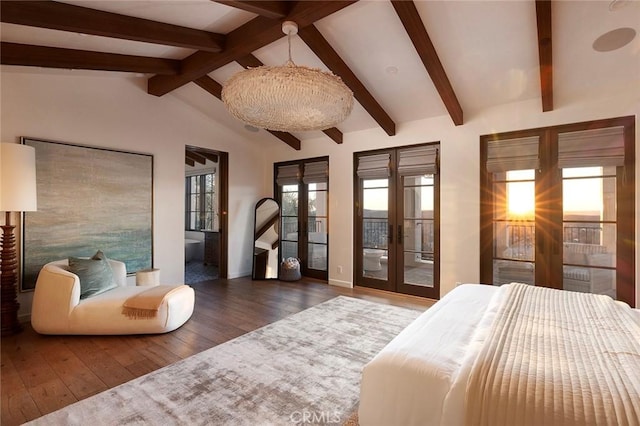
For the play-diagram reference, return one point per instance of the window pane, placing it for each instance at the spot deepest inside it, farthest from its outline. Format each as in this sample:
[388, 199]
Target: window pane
[209, 199]
[289, 228]
[289, 188]
[582, 199]
[289, 249]
[418, 271]
[375, 263]
[419, 237]
[514, 240]
[507, 271]
[529, 174]
[318, 186]
[376, 202]
[418, 202]
[317, 256]
[585, 243]
[289, 206]
[582, 172]
[209, 182]
[521, 200]
[317, 225]
[584, 233]
[317, 203]
[375, 183]
[374, 233]
[589, 280]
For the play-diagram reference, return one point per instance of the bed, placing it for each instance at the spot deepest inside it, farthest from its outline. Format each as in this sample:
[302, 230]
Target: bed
[514, 354]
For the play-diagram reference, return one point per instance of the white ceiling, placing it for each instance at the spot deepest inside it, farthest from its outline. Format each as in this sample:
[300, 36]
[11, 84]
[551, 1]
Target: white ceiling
[488, 50]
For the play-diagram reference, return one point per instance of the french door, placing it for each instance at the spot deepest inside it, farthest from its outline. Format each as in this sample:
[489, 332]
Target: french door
[302, 189]
[557, 208]
[397, 220]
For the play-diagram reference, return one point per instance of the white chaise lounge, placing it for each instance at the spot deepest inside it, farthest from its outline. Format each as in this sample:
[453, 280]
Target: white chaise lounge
[58, 309]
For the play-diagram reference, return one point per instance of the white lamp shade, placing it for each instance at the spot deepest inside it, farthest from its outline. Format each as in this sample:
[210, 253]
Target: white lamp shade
[17, 178]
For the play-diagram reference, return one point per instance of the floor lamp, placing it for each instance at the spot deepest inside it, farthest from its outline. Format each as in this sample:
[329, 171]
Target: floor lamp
[17, 194]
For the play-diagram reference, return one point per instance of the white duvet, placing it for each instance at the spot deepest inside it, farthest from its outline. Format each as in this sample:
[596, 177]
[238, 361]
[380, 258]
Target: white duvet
[421, 377]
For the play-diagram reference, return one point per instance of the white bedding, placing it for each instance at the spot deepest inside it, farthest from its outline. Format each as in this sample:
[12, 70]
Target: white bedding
[557, 358]
[412, 380]
[421, 377]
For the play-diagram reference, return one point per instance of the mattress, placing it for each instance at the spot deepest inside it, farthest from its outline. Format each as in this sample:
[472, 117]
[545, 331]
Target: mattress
[421, 377]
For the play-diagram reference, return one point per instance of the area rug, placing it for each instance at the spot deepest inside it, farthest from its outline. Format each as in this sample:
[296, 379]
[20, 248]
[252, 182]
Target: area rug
[304, 369]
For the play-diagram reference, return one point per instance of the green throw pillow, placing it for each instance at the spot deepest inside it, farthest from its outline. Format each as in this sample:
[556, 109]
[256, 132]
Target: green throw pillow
[95, 274]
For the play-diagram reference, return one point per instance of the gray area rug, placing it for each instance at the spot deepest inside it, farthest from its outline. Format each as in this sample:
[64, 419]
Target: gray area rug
[304, 369]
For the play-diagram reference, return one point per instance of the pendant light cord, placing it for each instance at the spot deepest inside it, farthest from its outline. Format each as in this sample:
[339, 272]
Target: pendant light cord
[289, 41]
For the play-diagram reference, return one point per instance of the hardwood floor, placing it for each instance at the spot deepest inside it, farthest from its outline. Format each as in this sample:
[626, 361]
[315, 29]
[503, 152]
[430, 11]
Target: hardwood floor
[41, 374]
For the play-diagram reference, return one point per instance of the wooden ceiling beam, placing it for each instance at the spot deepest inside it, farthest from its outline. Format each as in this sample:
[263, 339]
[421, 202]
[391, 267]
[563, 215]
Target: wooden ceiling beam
[287, 138]
[245, 39]
[195, 157]
[189, 162]
[545, 54]
[209, 156]
[210, 85]
[334, 134]
[67, 17]
[215, 88]
[408, 14]
[250, 61]
[55, 57]
[268, 9]
[321, 47]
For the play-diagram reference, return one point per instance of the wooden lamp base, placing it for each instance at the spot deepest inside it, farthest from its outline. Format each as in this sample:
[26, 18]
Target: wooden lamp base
[9, 305]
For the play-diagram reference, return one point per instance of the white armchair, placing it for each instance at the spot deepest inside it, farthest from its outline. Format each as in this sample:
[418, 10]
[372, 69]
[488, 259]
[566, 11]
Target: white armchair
[58, 309]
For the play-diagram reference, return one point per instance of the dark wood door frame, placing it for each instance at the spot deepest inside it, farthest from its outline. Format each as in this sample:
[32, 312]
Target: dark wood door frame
[395, 242]
[222, 158]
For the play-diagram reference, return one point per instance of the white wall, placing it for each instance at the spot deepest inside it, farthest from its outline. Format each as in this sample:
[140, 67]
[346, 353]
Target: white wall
[460, 169]
[114, 111]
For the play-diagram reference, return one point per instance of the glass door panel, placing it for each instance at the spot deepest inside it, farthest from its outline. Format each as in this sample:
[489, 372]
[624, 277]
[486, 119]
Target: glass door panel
[417, 237]
[317, 209]
[514, 227]
[581, 237]
[289, 221]
[589, 230]
[375, 228]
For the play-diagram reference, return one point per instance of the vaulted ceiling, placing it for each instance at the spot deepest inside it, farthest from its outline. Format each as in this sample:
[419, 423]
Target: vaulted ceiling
[403, 60]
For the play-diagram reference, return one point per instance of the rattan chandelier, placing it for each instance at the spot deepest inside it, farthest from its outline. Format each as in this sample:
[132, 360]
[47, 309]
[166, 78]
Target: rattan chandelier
[288, 97]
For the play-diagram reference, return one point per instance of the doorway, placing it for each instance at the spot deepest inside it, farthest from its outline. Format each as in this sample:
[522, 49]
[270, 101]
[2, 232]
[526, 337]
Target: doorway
[397, 220]
[557, 207]
[205, 224]
[302, 189]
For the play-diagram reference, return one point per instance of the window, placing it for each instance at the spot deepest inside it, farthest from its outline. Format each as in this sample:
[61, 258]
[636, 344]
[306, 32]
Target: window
[557, 207]
[201, 206]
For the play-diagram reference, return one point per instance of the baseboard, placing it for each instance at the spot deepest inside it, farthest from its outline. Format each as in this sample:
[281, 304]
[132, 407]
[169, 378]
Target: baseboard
[338, 283]
[231, 276]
